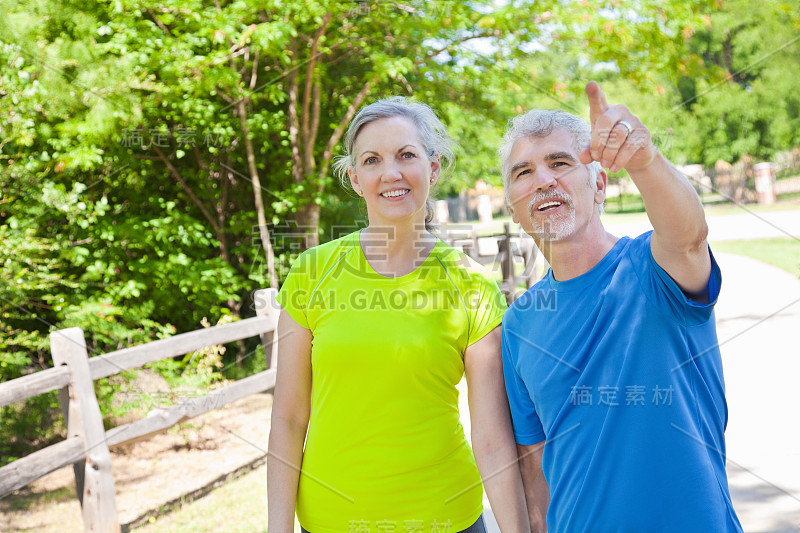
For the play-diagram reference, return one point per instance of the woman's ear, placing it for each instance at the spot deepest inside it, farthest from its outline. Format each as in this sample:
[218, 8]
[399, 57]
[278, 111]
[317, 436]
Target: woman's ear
[436, 169]
[354, 182]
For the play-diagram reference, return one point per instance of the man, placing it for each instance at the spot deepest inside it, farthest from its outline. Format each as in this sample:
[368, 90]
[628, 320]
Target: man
[611, 362]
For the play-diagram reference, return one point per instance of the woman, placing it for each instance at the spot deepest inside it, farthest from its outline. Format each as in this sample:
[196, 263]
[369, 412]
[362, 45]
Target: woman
[380, 326]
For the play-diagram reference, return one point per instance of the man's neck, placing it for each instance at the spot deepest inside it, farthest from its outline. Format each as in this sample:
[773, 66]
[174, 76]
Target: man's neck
[577, 255]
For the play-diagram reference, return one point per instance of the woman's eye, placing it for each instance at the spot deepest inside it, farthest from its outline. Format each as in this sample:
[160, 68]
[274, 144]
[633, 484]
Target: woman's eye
[407, 155]
[370, 160]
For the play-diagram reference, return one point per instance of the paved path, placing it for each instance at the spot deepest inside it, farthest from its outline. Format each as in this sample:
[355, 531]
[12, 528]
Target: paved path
[758, 321]
[758, 324]
[731, 227]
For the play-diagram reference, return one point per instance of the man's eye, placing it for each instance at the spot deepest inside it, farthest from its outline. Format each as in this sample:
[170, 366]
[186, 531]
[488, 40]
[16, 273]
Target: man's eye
[526, 171]
[408, 155]
[559, 163]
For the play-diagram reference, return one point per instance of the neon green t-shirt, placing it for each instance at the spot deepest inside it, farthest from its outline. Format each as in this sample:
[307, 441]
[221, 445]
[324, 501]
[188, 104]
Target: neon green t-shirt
[385, 450]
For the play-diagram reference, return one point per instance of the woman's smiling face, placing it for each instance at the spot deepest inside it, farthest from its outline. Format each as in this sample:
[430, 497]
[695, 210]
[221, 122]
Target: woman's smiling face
[392, 171]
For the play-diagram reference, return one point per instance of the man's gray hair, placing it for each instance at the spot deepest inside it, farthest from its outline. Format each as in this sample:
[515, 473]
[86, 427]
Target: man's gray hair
[541, 123]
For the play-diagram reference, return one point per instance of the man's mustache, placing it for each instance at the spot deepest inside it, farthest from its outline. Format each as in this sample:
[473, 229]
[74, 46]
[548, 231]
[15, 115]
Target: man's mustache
[549, 195]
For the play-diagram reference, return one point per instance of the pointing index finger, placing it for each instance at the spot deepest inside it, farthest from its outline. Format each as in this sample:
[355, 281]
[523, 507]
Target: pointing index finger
[597, 101]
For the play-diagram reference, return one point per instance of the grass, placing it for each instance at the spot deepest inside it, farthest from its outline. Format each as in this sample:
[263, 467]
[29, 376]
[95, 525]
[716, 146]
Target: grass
[237, 507]
[786, 202]
[25, 500]
[783, 253]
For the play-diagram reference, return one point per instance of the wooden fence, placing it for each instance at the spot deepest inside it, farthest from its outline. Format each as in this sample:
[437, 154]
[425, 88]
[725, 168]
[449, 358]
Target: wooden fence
[504, 248]
[87, 444]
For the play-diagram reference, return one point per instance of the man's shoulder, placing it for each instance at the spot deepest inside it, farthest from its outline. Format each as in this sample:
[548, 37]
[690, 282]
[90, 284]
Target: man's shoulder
[531, 299]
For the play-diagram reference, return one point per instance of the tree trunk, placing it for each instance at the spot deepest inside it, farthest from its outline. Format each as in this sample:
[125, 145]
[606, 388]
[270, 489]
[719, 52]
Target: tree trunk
[308, 222]
[254, 179]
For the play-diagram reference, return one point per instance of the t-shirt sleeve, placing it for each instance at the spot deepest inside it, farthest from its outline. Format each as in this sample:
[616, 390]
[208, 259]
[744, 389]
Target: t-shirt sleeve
[487, 305]
[295, 291]
[527, 426]
[662, 290]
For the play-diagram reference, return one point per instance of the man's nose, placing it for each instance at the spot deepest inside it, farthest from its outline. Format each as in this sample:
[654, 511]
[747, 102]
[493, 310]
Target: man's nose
[544, 179]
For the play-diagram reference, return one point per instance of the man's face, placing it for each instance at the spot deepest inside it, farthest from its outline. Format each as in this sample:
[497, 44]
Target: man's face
[552, 194]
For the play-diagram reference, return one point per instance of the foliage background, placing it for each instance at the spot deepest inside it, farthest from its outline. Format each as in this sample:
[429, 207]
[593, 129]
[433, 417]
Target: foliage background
[147, 149]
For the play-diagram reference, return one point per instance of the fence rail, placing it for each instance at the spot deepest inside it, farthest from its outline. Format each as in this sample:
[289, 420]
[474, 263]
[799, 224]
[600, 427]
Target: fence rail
[87, 444]
[505, 248]
[33, 385]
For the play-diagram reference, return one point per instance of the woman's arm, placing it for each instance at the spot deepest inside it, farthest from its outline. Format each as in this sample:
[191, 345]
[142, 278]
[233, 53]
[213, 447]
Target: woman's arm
[492, 436]
[290, 412]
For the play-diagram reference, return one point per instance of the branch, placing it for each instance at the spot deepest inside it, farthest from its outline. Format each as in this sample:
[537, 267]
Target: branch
[200, 163]
[158, 21]
[310, 77]
[185, 186]
[244, 63]
[294, 140]
[459, 41]
[254, 73]
[223, 202]
[220, 61]
[311, 140]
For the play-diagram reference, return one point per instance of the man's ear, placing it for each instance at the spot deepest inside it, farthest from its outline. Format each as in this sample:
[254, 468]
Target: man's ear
[513, 215]
[601, 180]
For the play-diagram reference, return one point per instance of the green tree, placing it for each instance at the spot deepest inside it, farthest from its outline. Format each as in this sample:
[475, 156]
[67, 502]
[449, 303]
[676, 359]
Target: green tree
[755, 107]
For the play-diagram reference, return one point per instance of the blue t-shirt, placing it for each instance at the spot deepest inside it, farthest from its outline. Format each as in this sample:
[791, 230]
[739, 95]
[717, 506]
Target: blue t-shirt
[621, 374]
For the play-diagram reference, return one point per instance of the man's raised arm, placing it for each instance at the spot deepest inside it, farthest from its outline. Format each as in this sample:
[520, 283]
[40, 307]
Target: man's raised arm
[620, 140]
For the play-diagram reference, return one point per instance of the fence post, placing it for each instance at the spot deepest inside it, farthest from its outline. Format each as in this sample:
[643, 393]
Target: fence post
[529, 253]
[266, 304]
[507, 261]
[93, 478]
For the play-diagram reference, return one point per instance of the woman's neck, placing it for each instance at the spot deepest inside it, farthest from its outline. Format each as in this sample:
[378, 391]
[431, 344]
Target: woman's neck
[394, 251]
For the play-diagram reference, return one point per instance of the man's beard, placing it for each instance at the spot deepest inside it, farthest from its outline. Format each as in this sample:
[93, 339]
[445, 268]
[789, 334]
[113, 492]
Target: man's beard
[552, 227]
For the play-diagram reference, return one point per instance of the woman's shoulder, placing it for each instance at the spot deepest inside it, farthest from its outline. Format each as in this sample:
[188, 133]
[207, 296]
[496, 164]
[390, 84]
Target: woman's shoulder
[462, 266]
[320, 258]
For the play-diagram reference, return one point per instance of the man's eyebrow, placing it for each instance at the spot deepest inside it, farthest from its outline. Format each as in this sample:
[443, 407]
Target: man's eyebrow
[519, 166]
[553, 156]
[560, 155]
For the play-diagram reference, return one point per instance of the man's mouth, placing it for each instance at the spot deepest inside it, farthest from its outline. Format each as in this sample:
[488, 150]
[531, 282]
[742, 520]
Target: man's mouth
[396, 193]
[547, 206]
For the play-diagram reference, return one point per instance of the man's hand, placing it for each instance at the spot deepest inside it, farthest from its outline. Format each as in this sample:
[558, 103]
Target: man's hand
[619, 139]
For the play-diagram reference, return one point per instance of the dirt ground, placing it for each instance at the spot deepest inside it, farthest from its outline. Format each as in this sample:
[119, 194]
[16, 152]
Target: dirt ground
[152, 473]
